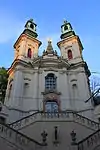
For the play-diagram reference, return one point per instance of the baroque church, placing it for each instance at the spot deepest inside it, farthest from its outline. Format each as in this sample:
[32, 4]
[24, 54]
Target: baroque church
[48, 101]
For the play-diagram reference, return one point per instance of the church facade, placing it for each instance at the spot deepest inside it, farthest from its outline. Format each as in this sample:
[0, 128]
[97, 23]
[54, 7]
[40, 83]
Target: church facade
[49, 82]
[48, 99]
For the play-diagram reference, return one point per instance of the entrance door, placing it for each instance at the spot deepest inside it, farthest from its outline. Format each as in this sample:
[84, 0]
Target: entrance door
[51, 106]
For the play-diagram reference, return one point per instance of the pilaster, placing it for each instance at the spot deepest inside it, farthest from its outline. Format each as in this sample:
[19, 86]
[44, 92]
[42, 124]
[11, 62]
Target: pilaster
[17, 89]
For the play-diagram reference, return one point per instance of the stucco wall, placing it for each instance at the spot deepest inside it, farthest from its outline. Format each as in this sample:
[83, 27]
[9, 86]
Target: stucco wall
[35, 78]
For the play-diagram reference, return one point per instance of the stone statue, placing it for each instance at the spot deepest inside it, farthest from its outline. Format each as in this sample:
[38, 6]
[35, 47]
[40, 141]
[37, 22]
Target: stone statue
[56, 133]
[44, 135]
[73, 137]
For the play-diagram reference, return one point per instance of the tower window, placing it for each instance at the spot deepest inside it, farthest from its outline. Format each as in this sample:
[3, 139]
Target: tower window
[70, 56]
[29, 54]
[31, 26]
[65, 27]
[50, 81]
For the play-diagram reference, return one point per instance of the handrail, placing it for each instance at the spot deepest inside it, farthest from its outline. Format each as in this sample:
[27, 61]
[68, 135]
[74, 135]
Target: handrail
[23, 118]
[86, 118]
[89, 121]
[71, 116]
[90, 141]
[18, 138]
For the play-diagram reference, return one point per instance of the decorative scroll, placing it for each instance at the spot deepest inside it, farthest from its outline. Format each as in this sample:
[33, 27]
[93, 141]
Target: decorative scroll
[73, 137]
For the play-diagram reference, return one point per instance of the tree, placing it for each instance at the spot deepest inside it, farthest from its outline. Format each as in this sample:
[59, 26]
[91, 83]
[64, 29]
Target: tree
[3, 83]
[94, 83]
[95, 86]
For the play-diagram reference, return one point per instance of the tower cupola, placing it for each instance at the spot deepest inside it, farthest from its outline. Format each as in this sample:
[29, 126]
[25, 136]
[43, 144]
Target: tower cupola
[70, 44]
[66, 30]
[30, 28]
[27, 44]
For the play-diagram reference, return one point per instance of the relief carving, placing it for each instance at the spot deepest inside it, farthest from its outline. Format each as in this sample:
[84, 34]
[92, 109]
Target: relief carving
[51, 96]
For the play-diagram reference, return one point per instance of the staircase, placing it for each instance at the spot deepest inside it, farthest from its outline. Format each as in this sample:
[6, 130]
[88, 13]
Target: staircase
[66, 116]
[92, 142]
[11, 139]
[39, 119]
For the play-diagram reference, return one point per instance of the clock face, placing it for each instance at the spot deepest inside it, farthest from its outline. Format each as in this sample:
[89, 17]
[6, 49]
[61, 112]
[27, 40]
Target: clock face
[51, 107]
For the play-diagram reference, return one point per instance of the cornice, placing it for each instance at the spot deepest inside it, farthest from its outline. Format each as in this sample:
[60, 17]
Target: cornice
[51, 69]
[51, 63]
[23, 36]
[75, 37]
[29, 71]
[39, 65]
[18, 62]
[74, 65]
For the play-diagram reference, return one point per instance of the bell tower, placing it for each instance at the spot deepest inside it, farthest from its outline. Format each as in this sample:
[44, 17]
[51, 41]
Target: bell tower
[26, 50]
[77, 72]
[26, 46]
[70, 44]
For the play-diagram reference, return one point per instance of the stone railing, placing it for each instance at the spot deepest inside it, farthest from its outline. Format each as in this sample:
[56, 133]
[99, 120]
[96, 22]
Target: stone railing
[86, 121]
[90, 142]
[62, 116]
[20, 140]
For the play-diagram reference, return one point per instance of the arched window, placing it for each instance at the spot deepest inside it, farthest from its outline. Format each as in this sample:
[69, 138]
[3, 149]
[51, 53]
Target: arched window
[29, 54]
[65, 27]
[50, 81]
[70, 56]
[31, 26]
[51, 106]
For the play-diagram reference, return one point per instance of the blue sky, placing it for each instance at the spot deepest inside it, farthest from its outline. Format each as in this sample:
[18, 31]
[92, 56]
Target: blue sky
[84, 15]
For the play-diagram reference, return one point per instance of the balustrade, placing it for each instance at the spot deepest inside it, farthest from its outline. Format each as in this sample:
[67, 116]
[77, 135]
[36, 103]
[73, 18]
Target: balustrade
[68, 116]
[17, 138]
[90, 142]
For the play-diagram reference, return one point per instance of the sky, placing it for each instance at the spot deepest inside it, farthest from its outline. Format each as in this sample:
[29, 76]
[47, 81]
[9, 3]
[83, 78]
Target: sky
[84, 16]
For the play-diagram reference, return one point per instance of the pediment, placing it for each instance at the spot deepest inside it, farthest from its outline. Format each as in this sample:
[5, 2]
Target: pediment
[50, 62]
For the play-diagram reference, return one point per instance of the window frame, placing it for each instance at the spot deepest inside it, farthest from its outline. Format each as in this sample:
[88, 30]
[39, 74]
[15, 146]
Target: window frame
[70, 54]
[50, 82]
[51, 103]
[29, 53]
